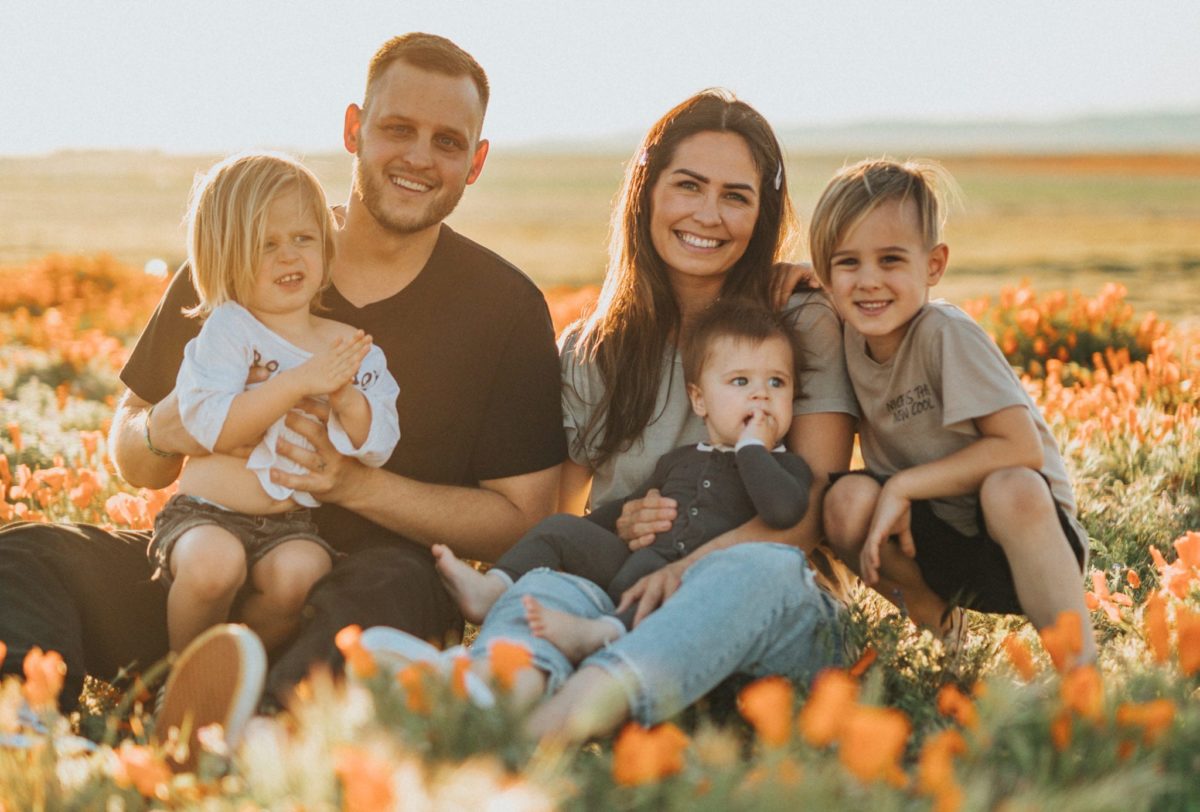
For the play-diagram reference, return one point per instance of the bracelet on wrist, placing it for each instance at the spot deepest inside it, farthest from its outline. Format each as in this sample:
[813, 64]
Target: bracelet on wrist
[158, 452]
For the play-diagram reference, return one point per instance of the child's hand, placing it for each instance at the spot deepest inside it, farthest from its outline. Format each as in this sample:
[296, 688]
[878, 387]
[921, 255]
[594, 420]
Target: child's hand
[892, 518]
[762, 427]
[332, 368]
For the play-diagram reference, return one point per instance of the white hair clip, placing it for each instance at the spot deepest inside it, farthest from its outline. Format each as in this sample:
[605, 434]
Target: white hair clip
[643, 157]
[779, 176]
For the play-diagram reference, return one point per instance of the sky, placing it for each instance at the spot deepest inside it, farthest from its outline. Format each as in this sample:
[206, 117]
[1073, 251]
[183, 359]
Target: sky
[221, 75]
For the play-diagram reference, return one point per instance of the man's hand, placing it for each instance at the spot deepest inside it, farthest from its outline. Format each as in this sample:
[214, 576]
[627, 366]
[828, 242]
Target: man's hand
[642, 519]
[892, 517]
[653, 590]
[329, 473]
[786, 277]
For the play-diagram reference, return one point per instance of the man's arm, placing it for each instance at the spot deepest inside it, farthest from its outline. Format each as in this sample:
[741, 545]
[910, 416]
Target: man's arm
[135, 462]
[480, 523]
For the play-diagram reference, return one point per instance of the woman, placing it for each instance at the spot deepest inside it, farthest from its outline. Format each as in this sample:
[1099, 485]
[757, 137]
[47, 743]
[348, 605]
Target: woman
[703, 213]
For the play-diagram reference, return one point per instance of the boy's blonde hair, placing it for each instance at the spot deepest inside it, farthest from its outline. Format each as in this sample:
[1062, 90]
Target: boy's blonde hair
[856, 191]
[226, 220]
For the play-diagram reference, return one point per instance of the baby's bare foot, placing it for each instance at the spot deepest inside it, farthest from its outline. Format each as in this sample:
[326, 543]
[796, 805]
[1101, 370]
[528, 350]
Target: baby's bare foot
[472, 590]
[574, 636]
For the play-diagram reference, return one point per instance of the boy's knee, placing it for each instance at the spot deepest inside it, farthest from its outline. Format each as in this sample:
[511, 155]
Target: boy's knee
[1015, 495]
[846, 512]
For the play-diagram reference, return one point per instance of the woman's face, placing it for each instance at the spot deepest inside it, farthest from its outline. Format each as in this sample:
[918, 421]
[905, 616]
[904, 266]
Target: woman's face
[704, 206]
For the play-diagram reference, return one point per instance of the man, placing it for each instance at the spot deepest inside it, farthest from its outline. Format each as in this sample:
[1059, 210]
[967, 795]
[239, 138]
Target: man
[468, 338]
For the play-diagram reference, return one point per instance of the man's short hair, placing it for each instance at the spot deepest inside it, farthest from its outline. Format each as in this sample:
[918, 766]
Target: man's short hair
[427, 52]
[736, 319]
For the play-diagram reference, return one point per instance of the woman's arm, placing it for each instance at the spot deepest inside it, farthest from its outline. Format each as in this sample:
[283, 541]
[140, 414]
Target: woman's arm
[573, 488]
[824, 440]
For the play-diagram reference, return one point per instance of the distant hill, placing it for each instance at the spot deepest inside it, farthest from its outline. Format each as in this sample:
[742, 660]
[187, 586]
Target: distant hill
[1175, 131]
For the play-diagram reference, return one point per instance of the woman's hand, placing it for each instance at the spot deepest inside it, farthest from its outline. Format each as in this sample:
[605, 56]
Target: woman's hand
[329, 472]
[892, 517]
[653, 590]
[786, 277]
[642, 519]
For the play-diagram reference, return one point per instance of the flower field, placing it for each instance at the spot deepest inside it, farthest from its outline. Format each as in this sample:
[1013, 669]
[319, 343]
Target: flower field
[1001, 724]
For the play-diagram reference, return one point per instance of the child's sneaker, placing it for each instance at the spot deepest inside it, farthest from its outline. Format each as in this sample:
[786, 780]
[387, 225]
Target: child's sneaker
[394, 650]
[216, 680]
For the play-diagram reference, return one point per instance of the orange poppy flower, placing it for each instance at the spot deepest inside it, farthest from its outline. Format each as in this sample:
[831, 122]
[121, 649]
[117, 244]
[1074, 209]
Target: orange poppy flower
[1154, 717]
[44, 674]
[14, 434]
[935, 769]
[1187, 625]
[1063, 640]
[366, 780]
[958, 706]
[3, 652]
[141, 768]
[359, 661]
[458, 677]
[1060, 731]
[1082, 692]
[1101, 598]
[1188, 547]
[1020, 656]
[412, 680]
[509, 659]
[833, 694]
[1133, 579]
[871, 744]
[864, 662]
[1174, 577]
[642, 756]
[1157, 631]
[767, 705]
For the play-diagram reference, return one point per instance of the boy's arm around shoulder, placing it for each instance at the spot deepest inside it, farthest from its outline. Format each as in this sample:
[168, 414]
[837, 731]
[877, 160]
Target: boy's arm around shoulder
[778, 484]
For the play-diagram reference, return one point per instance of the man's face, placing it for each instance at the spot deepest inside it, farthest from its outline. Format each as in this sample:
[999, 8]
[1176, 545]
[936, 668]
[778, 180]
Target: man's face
[416, 145]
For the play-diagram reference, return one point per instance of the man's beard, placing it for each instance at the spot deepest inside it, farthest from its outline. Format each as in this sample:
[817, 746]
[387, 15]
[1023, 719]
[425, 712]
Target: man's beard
[370, 190]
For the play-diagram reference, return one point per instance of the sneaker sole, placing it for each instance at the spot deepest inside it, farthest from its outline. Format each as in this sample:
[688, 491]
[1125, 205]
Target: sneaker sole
[218, 679]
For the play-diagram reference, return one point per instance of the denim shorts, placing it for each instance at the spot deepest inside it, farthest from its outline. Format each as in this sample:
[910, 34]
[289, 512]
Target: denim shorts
[968, 571]
[258, 534]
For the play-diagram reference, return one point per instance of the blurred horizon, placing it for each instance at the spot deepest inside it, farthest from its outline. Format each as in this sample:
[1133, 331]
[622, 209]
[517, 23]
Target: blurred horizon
[225, 75]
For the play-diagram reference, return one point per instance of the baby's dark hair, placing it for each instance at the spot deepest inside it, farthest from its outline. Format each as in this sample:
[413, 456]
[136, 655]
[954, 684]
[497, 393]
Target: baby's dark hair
[738, 319]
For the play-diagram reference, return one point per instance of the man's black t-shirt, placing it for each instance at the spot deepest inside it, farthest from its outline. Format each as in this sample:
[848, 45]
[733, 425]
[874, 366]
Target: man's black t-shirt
[471, 344]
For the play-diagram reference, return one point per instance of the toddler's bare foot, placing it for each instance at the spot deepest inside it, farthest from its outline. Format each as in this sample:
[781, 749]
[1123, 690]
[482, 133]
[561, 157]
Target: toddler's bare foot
[472, 590]
[574, 636]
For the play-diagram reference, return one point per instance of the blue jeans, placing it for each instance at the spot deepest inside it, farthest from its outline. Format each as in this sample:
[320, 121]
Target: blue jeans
[752, 609]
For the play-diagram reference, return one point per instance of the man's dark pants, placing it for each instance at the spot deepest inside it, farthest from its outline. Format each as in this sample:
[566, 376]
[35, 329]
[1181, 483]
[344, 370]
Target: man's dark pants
[86, 593]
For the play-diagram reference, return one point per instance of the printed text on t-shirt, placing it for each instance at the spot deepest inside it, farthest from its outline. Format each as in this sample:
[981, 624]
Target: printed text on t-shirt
[913, 402]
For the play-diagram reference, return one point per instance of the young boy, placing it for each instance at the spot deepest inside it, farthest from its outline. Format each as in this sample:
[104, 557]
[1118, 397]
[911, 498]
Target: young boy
[966, 501]
[739, 366]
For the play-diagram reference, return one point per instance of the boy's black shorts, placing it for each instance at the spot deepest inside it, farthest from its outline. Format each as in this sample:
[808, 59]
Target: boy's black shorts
[968, 571]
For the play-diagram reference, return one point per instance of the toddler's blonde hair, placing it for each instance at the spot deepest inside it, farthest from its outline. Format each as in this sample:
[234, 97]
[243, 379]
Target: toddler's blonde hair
[226, 221]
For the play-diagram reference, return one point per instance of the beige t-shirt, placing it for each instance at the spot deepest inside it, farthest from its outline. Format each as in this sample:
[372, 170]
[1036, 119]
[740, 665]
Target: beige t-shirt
[921, 405]
[824, 387]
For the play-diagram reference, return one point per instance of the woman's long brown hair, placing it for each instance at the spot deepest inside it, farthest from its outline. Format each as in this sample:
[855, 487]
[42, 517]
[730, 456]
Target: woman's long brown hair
[637, 313]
